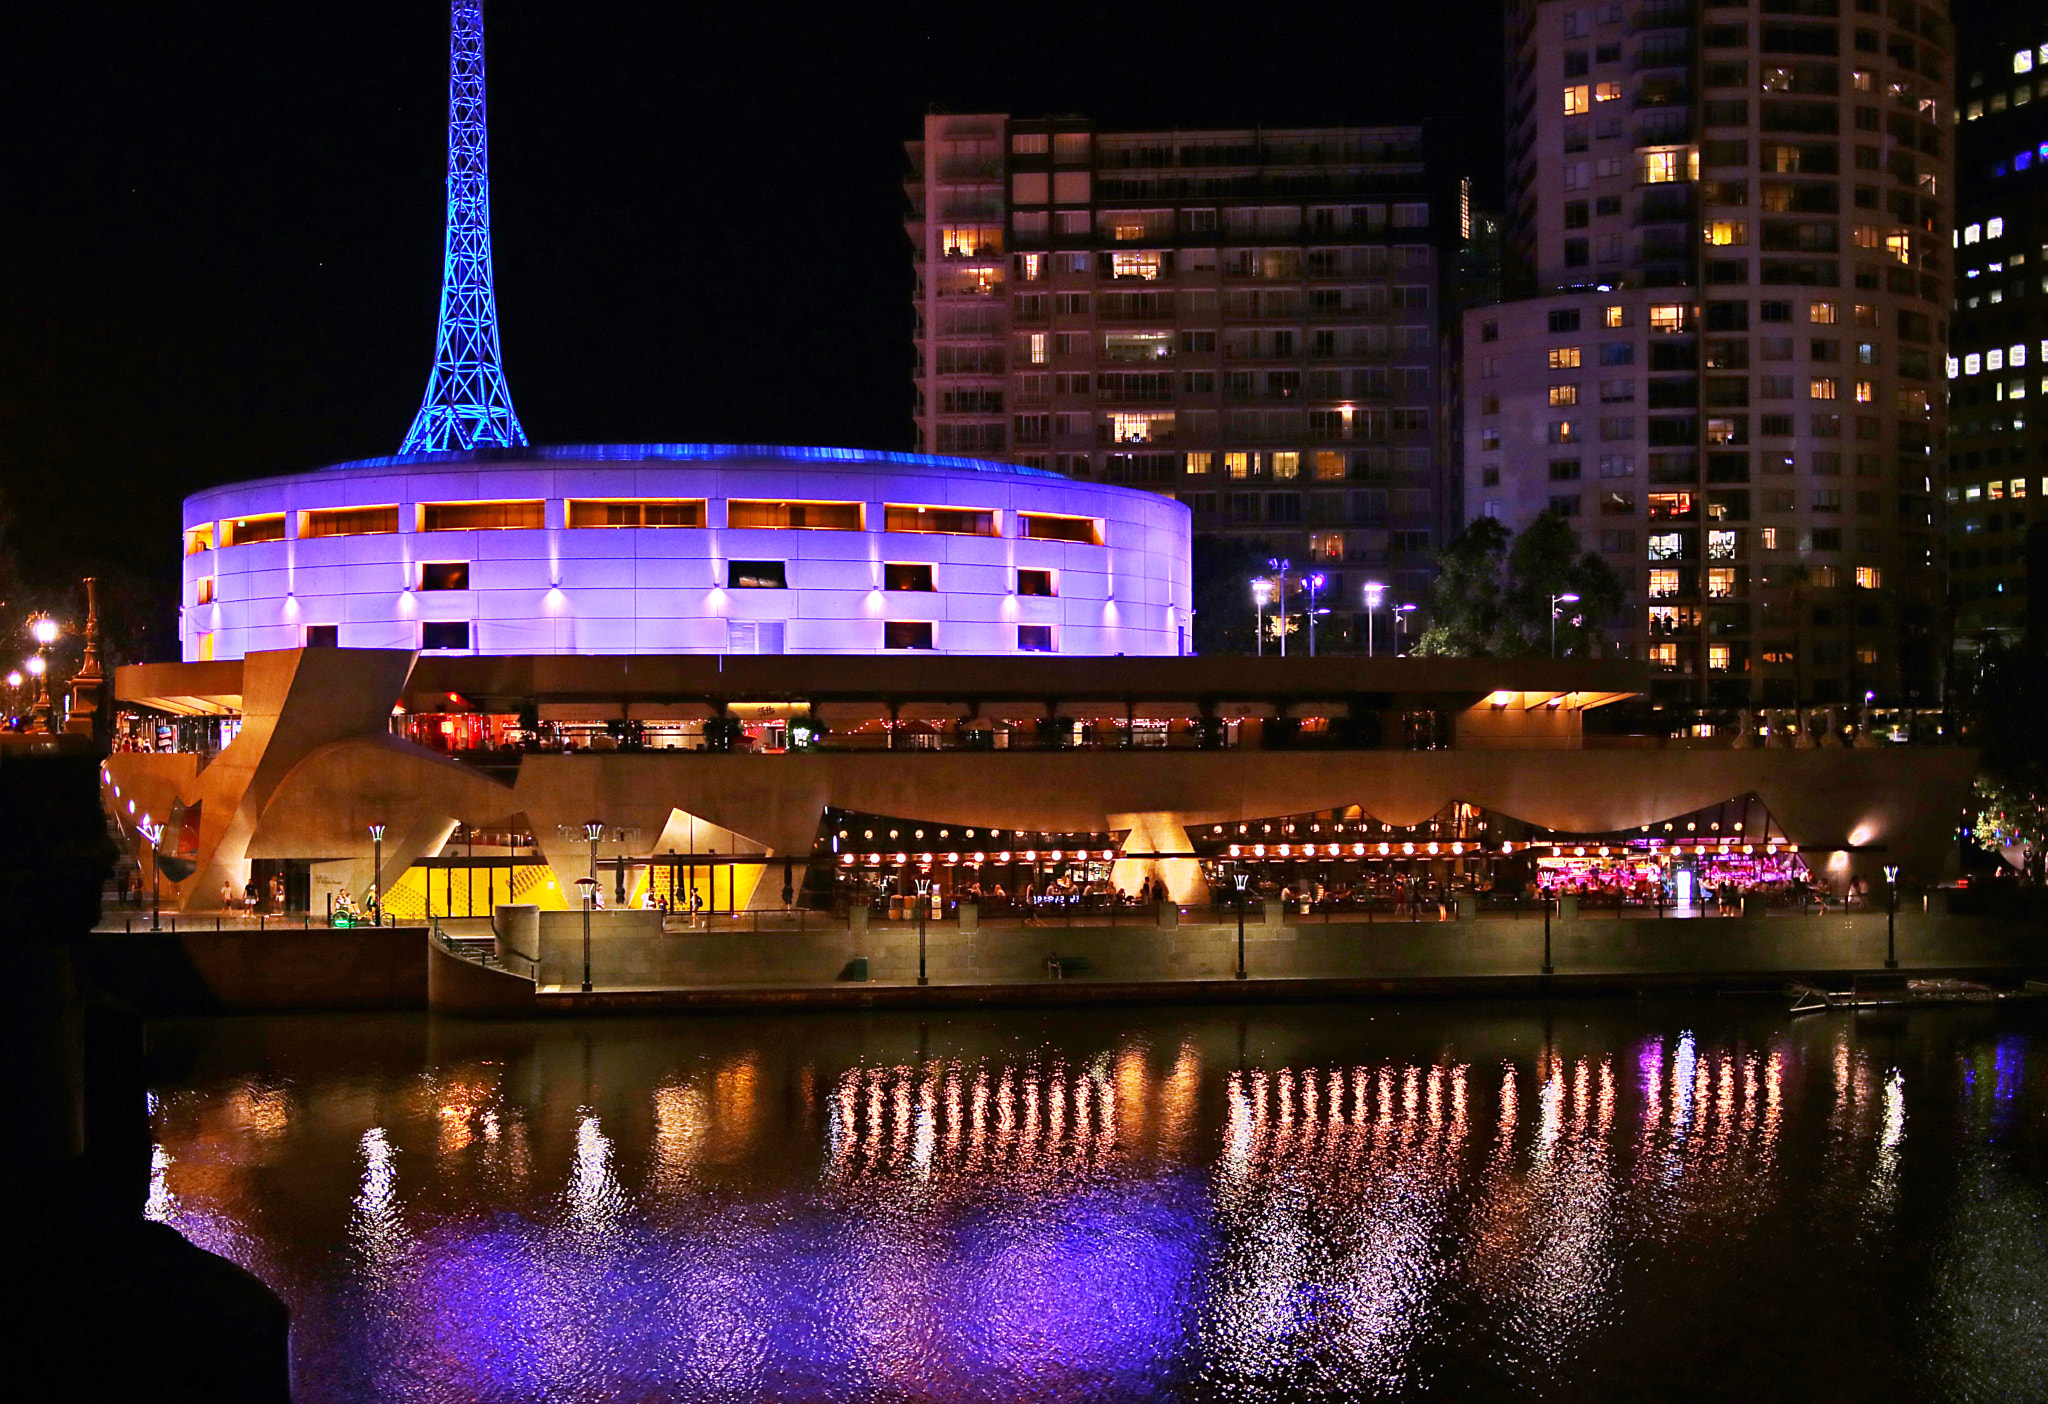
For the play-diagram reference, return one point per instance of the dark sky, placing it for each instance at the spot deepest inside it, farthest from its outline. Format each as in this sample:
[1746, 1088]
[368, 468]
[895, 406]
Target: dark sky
[220, 228]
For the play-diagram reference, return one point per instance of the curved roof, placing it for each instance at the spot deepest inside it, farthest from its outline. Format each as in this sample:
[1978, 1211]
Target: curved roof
[634, 453]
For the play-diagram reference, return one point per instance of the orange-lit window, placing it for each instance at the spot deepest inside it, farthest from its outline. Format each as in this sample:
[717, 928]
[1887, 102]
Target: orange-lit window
[348, 521]
[1044, 526]
[1577, 99]
[199, 538]
[482, 516]
[244, 531]
[1869, 578]
[941, 521]
[635, 512]
[202, 590]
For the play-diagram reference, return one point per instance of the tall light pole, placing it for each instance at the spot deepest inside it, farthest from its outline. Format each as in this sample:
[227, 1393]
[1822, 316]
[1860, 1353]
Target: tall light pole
[155, 834]
[1238, 878]
[589, 886]
[1315, 583]
[377, 871]
[14, 692]
[593, 830]
[1280, 567]
[1401, 613]
[1891, 916]
[1262, 590]
[45, 632]
[1555, 601]
[923, 884]
[1374, 593]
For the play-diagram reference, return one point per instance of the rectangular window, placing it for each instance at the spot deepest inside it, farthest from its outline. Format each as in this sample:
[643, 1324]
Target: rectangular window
[1822, 387]
[1196, 465]
[444, 575]
[1578, 98]
[940, 521]
[348, 521]
[1669, 317]
[1031, 638]
[199, 538]
[641, 512]
[907, 575]
[906, 633]
[1045, 526]
[1564, 394]
[1036, 583]
[1565, 320]
[1564, 358]
[482, 516]
[439, 634]
[242, 531]
[1663, 584]
[202, 590]
[756, 575]
[323, 636]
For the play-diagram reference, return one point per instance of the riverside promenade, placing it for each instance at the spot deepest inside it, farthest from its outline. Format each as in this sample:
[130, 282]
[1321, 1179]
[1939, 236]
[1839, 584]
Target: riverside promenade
[523, 962]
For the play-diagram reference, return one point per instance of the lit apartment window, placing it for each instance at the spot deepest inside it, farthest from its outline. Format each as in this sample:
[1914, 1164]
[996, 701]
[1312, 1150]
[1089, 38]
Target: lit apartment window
[199, 538]
[1562, 431]
[1869, 578]
[1326, 546]
[1718, 657]
[1767, 538]
[634, 512]
[1821, 387]
[1668, 317]
[1286, 464]
[1720, 582]
[1666, 546]
[805, 516]
[1197, 464]
[1664, 655]
[243, 531]
[1143, 266]
[906, 633]
[1237, 465]
[1034, 348]
[348, 521]
[1329, 465]
[1028, 143]
[1995, 490]
[1823, 313]
[1031, 638]
[1577, 99]
[907, 575]
[1614, 316]
[1031, 267]
[1606, 92]
[2019, 487]
[1865, 392]
[1662, 167]
[482, 516]
[1564, 358]
[1725, 233]
[1564, 394]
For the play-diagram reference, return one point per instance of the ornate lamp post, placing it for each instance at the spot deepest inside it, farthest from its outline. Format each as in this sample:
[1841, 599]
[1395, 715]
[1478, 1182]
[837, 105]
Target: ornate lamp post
[1891, 916]
[44, 631]
[593, 830]
[377, 872]
[923, 885]
[1262, 591]
[589, 886]
[1374, 593]
[155, 834]
[1280, 567]
[1555, 601]
[1238, 878]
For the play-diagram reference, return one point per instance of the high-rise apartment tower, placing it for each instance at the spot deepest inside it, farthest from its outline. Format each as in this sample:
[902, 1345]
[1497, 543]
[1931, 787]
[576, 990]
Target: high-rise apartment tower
[1244, 319]
[1729, 226]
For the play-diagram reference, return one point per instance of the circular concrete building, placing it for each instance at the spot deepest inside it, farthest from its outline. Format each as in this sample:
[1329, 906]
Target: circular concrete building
[684, 548]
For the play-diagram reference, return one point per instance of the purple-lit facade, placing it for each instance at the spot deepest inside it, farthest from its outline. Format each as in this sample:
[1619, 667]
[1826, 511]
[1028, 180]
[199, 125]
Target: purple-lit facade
[683, 548]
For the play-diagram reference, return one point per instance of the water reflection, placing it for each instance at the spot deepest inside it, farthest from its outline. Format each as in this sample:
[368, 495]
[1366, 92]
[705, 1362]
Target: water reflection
[1273, 1206]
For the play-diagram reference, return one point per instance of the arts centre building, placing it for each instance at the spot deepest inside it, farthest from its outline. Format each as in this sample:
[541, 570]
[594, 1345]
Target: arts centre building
[780, 676]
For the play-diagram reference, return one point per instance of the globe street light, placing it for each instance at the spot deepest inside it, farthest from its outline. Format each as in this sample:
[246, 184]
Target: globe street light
[1401, 613]
[1315, 583]
[1555, 601]
[1374, 593]
[1262, 591]
[376, 893]
[1281, 566]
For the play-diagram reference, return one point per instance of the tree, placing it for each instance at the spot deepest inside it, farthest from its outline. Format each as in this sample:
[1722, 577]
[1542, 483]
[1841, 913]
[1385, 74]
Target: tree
[2000, 694]
[1492, 595]
[1223, 568]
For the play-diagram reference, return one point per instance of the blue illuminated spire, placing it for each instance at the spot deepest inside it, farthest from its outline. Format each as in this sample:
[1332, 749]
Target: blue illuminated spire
[468, 405]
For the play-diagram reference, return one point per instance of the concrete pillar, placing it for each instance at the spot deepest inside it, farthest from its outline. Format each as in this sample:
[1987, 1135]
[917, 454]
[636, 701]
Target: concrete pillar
[1169, 915]
[1568, 907]
[516, 928]
[970, 918]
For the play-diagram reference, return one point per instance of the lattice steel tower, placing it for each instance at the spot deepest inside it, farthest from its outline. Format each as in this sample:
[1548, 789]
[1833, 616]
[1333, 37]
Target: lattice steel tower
[467, 405]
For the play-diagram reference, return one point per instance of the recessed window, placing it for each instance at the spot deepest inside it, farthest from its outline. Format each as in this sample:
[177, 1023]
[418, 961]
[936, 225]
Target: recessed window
[635, 512]
[244, 531]
[202, 591]
[483, 516]
[944, 521]
[1044, 526]
[906, 633]
[907, 576]
[1035, 582]
[323, 636]
[348, 521]
[801, 516]
[199, 538]
[1034, 638]
[756, 575]
[444, 575]
[440, 634]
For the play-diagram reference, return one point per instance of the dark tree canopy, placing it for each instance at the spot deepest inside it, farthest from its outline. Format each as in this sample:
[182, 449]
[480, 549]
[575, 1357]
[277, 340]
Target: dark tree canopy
[1492, 596]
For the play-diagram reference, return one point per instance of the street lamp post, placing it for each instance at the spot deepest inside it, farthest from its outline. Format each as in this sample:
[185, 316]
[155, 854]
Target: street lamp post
[155, 834]
[1555, 601]
[45, 632]
[923, 883]
[593, 830]
[1281, 567]
[1238, 878]
[589, 886]
[1401, 613]
[1262, 590]
[1374, 592]
[14, 693]
[377, 871]
[1891, 916]
[1315, 583]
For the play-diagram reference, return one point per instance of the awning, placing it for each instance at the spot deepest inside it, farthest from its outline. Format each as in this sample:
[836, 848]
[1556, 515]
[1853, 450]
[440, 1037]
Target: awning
[1012, 711]
[1239, 711]
[932, 711]
[1095, 711]
[582, 711]
[850, 713]
[1166, 711]
[667, 711]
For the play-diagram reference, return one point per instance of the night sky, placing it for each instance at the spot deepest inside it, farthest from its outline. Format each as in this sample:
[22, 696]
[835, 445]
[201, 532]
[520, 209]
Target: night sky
[221, 225]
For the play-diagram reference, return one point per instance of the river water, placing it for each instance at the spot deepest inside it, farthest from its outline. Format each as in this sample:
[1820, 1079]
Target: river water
[1596, 1200]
